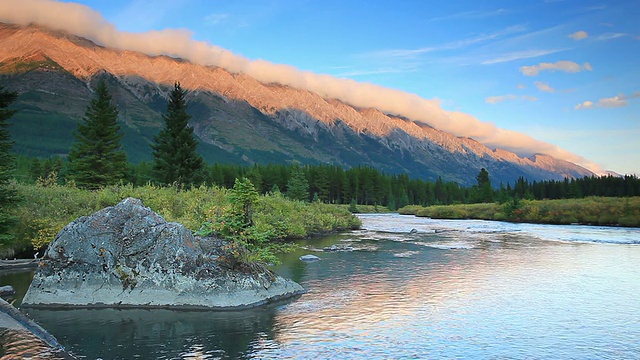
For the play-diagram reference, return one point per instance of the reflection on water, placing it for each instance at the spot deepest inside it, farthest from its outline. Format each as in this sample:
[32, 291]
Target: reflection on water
[19, 280]
[19, 344]
[155, 334]
[451, 289]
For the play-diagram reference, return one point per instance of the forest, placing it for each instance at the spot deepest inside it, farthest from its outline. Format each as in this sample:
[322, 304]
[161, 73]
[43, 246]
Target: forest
[363, 185]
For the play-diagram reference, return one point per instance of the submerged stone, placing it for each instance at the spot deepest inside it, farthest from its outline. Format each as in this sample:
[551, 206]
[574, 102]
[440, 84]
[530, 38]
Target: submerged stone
[309, 257]
[129, 256]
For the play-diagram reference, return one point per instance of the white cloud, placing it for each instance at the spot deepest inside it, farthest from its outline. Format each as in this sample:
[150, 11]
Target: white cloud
[543, 86]
[615, 101]
[501, 98]
[585, 105]
[453, 45]
[216, 18]
[566, 66]
[522, 86]
[83, 21]
[579, 35]
[610, 36]
[518, 55]
[619, 100]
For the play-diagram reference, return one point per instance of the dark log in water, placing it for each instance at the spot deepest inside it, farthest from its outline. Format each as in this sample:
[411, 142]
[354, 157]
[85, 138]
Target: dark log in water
[19, 264]
[21, 338]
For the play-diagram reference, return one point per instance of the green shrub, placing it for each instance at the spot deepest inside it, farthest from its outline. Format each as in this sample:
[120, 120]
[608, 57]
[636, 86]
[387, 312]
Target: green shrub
[591, 210]
[47, 207]
[410, 209]
[633, 221]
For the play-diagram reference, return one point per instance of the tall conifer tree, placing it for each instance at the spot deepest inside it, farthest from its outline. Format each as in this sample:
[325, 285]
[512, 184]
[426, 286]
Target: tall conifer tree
[96, 158]
[484, 189]
[298, 186]
[7, 195]
[175, 159]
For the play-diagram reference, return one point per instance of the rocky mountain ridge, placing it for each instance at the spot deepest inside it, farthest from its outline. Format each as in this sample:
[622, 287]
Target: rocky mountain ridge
[237, 118]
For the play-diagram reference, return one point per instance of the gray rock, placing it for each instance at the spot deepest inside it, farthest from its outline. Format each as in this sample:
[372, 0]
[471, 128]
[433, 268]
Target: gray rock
[7, 290]
[129, 256]
[338, 248]
[309, 257]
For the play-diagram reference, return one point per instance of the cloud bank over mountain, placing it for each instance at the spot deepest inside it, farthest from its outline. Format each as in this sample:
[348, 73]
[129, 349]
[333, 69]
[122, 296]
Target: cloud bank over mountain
[86, 22]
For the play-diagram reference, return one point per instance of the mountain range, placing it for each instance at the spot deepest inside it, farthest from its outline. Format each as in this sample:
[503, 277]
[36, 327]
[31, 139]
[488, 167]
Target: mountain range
[236, 118]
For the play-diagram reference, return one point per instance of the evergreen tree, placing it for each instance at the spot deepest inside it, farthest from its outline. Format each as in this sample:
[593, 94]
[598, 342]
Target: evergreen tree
[484, 190]
[254, 175]
[96, 158]
[175, 159]
[298, 186]
[7, 195]
[353, 208]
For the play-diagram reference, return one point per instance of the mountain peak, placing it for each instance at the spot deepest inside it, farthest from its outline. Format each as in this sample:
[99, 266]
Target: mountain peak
[305, 124]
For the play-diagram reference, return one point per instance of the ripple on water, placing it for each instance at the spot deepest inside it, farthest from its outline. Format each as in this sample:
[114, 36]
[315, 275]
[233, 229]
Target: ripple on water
[19, 344]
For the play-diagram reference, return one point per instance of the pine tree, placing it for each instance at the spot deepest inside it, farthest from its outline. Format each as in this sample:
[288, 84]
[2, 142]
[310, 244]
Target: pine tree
[298, 186]
[96, 158]
[484, 190]
[7, 195]
[175, 159]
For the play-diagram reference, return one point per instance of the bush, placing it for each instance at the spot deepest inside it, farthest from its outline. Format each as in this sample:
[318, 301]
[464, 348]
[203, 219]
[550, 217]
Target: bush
[47, 207]
[633, 221]
[410, 209]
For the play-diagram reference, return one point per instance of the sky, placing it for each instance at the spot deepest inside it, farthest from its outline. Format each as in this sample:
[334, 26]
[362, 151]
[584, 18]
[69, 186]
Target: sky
[554, 76]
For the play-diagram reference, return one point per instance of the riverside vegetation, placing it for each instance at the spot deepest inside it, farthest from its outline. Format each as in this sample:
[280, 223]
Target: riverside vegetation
[47, 206]
[592, 210]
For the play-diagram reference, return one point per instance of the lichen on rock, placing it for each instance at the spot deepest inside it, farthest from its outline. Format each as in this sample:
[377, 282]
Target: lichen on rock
[129, 256]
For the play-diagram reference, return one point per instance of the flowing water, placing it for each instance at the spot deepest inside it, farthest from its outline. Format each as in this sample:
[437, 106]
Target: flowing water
[411, 288]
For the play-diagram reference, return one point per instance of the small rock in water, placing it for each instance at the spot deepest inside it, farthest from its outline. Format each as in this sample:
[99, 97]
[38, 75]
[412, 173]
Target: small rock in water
[309, 257]
[406, 254]
[7, 290]
[338, 248]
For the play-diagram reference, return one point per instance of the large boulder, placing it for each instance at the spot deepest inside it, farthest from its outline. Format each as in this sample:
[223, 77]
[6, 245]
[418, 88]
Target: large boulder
[129, 256]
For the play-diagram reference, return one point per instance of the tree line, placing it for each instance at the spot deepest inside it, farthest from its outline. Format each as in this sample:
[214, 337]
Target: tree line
[572, 188]
[362, 185]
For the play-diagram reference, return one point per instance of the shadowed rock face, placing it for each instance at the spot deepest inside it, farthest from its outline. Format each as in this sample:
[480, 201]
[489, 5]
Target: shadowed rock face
[129, 256]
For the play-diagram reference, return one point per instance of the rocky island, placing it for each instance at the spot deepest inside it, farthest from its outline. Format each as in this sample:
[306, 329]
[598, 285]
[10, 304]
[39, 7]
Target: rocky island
[129, 256]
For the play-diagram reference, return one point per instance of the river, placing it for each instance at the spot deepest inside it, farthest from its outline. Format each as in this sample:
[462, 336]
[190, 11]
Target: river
[447, 289]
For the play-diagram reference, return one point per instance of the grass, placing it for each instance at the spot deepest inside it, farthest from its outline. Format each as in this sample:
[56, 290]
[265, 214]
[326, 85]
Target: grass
[367, 209]
[47, 207]
[609, 211]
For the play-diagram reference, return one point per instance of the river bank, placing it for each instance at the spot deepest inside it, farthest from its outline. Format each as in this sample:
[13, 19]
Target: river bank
[605, 211]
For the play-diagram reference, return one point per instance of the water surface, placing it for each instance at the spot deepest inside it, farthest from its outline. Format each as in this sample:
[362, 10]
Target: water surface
[449, 289]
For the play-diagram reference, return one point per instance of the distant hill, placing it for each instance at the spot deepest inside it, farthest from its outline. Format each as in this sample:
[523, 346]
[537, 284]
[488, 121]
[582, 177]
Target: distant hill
[236, 118]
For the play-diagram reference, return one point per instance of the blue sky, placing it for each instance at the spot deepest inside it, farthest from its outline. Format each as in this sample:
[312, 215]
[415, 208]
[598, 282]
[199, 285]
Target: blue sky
[562, 71]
